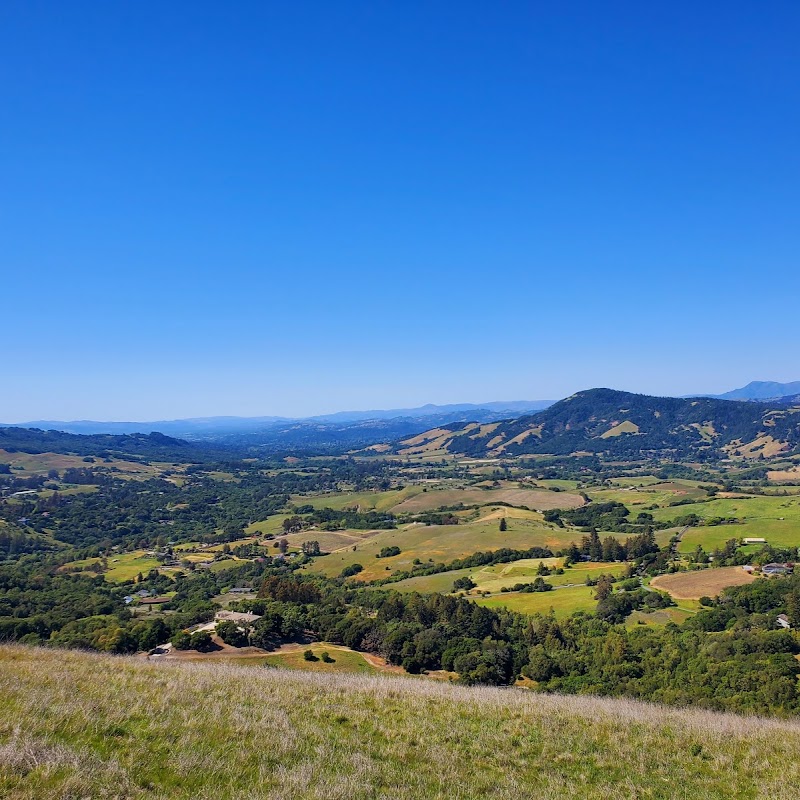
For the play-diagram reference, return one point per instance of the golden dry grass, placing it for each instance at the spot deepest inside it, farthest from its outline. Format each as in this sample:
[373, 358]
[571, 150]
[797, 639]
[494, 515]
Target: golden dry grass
[74, 725]
[701, 583]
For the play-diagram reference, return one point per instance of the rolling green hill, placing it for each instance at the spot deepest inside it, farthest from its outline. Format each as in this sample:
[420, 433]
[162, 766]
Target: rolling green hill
[79, 725]
[625, 425]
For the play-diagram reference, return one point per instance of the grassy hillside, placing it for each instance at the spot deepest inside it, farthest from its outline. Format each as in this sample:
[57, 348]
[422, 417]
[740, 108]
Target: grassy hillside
[78, 725]
[444, 543]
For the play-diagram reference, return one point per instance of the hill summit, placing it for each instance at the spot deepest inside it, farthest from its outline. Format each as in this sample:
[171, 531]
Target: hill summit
[623, 424]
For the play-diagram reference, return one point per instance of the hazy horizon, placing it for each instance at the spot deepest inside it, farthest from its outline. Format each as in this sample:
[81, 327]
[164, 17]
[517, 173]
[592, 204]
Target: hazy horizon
[366, 408]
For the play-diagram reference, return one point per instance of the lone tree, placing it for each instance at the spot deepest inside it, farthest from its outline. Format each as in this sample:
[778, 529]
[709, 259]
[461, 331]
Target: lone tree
[466, 583]
[503, 524]
[604, 587]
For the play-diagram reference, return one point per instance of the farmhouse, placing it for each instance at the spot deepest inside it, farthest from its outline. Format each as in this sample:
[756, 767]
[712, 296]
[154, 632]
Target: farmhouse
[776, 569]
[783, 621]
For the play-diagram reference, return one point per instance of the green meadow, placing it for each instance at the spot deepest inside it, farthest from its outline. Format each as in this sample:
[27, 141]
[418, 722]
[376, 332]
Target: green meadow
[343, 660]
[364, 501]
[661, 494]
[562, 602]
[777, 519]
[494, 578]
[123, 567]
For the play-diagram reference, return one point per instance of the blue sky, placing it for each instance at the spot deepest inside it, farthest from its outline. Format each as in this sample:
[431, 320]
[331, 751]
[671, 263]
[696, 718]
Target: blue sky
[259, 208]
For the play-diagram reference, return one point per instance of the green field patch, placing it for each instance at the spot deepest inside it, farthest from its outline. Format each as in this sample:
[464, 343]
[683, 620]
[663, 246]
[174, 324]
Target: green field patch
[531, 498]
[498, 576]
[558, 483]
[344, 660]
[638, 480]
[563, 602]
[271, 525]
[123, 567]
[776, 519]
[225, 563]
[218, 548]
[661, 494]
[661, 617]
[363, 501]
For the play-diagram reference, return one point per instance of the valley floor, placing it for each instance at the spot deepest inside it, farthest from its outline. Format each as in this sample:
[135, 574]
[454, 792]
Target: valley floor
[78, 725]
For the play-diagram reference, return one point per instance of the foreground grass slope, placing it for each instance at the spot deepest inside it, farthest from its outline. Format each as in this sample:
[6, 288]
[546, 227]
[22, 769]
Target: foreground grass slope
[78, 725]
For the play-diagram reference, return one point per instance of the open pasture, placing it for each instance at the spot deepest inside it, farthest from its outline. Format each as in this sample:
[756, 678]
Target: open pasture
[271, 525]
[496, 577]
[662, 616]
[123, 567]
[291, 657]
[563, 602]
[695, 584]
[777, 519]
[444, 543]
[531, 498]
[363, 501]
[661, 494]
[330, 541]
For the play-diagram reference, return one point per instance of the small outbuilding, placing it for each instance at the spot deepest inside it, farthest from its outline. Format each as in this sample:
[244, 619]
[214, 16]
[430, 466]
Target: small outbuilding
[776, 569]
[236, 616]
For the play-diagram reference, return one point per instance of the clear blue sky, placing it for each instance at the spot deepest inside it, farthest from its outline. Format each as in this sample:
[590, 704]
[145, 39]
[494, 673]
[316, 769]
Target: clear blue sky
[295, 208]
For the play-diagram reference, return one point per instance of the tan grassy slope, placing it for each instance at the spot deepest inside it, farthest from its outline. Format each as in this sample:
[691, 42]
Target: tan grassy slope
[74, 725]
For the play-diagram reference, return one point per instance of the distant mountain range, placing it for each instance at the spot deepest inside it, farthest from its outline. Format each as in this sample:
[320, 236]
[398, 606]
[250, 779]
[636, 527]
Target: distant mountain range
[625, 426]
[222, 427]
[596, 420]
[761, 390]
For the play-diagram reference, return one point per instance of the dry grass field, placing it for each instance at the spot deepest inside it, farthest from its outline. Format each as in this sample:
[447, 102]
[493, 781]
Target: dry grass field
[701, 583]
[27, 464]
[74, 725]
